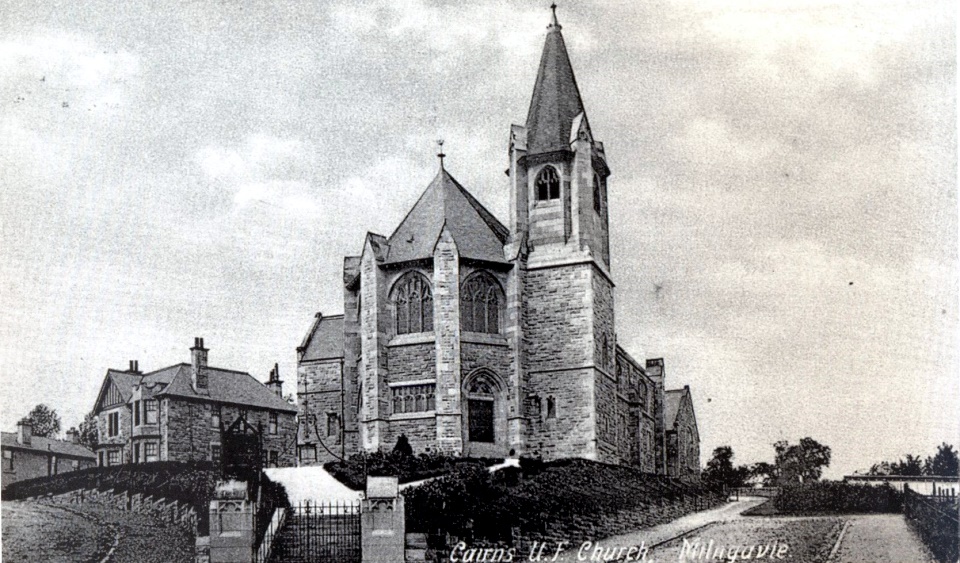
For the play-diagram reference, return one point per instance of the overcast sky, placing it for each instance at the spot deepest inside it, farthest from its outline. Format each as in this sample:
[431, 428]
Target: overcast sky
[783, 203]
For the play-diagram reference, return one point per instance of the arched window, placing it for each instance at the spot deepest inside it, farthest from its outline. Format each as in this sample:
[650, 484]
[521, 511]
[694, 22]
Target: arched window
[548, 184]
[480, 305]
[414, 303]
[597, 195]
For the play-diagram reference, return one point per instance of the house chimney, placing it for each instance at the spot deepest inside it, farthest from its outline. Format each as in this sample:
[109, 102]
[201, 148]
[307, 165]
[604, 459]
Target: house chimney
[198, 355]
[274, 383]
[24, 432]
[134, 367]
[73, 435]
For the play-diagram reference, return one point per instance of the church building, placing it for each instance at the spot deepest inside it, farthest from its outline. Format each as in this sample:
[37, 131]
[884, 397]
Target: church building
[474, 337]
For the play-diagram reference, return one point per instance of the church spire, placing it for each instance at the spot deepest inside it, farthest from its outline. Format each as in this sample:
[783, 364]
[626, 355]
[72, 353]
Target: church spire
[556, 98]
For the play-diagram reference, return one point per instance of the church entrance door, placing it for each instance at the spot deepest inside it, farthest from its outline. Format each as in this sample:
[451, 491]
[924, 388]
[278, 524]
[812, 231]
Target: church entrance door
[484, 415]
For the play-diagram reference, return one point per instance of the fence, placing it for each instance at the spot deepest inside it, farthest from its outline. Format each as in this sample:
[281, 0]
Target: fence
[316, 532]
[936, 522]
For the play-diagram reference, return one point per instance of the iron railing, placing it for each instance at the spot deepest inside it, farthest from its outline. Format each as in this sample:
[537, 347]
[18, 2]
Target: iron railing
[936, 521]
[317, 533]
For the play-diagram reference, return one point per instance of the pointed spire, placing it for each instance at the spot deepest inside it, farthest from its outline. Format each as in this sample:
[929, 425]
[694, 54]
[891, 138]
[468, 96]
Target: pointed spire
[556, 98]
[554, 24]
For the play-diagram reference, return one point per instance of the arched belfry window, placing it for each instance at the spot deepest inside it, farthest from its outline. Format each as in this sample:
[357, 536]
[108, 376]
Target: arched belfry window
[480, 302]
[548, 184]
[597, 195]
[413, 300]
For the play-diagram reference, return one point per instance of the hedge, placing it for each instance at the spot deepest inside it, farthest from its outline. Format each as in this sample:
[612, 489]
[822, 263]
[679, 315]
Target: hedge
[835, 497]
[407, 468]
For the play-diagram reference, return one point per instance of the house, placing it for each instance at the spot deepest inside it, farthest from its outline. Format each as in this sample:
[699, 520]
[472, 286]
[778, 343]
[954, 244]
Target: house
[683, 438]
[178, 413]
[26, 456]
[474, 337]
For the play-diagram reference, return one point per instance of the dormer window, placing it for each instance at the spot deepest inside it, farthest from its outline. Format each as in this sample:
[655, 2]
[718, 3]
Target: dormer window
[413, 300]
[548, 184]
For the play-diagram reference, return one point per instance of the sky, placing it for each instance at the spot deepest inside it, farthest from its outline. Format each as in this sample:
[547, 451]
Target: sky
[783, 203]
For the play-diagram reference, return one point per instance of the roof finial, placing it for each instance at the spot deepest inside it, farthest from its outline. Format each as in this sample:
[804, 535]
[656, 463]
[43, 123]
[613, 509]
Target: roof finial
[553, 19]
[440, 154]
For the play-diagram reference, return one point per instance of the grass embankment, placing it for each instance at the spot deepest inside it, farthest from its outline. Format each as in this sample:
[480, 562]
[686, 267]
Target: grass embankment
[801, 540]
[533, 497]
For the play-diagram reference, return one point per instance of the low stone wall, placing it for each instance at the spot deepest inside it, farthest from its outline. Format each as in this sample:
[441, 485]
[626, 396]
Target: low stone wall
[172, 511]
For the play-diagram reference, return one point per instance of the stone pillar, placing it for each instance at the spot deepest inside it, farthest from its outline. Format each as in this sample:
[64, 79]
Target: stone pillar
[382, 532]
[231, 524]
[446, 326]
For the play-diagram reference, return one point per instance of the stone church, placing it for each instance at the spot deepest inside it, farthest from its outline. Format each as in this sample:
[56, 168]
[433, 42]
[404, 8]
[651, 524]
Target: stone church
[472, 337]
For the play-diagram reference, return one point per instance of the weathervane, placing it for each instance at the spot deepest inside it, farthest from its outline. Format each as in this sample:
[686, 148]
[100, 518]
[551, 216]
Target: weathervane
[440, 154]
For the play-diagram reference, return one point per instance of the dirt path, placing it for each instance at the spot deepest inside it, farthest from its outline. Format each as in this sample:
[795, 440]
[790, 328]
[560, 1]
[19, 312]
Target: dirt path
[880, 537]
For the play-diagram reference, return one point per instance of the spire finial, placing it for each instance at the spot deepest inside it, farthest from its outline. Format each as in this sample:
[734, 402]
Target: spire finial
[440, 154]
[554, 24]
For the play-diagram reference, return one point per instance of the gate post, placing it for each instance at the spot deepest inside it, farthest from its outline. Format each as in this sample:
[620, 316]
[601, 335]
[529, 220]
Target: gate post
[231, 524]
[382, 522]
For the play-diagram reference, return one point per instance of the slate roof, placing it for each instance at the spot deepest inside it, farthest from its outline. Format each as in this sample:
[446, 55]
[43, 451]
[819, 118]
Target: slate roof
[556, 99]
[324, 340]
[59, 447]
[671, 405]
[225, 386]
[478, 234]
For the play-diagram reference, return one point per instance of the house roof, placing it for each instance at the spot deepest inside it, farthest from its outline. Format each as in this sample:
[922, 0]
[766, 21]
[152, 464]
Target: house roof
[477, 233]
[556, 99]
[672, 398]
[40, 444]
[225, 386]
[324, 340]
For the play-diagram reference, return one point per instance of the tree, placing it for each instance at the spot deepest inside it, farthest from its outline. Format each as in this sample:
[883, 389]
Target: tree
[89, 432]
[912, 465]
[944, 462]
[44, 420]
[801, 462]
[763, 473]
[721, 472]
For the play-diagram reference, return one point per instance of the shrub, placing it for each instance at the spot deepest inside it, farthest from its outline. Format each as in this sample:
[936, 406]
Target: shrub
[835, 497]
[407, 468]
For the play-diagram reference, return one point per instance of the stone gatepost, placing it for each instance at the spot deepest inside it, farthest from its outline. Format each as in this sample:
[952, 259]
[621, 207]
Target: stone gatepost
[231, 523]
[382, 522]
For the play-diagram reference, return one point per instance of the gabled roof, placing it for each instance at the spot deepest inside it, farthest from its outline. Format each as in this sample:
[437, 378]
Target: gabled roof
[59, 447]
[556, 99]
[477, 233]
[324, 340]
[225, 386]
[672, 398]
[123, 381]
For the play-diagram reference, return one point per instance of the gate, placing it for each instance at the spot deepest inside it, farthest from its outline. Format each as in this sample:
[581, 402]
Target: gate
[319, 533]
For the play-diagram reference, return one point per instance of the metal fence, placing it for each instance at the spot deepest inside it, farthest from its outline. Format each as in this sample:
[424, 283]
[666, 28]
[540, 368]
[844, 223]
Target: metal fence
[936, 521]
[317, 533]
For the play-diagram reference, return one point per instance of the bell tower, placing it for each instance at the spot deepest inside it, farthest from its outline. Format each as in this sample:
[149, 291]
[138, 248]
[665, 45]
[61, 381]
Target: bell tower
[558, 176]
[558, 170]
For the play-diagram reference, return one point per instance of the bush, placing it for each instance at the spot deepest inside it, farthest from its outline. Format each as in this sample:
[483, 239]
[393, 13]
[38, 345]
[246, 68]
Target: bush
[835, 497]
[406, 468]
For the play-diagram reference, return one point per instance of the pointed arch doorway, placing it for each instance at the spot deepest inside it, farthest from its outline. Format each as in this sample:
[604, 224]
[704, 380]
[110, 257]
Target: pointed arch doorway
[484, 414]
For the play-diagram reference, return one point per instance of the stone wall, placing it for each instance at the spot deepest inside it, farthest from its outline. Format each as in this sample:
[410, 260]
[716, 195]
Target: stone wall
[446, 305]
[319, 395]
[412, 362]
[421, 432]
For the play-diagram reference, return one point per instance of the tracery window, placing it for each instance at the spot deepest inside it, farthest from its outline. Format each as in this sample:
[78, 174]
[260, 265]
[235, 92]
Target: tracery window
[414, 304]
[548, 184]
[480, 305]
[413, 398]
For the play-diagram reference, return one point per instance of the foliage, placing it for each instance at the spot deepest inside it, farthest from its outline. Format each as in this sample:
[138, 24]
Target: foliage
[407, 468]
[800, 463]
[763, 473]
[44, 420]
[720, 471]
[833, 497]
[89, 432]
[403, 446]
[944, 462]
[535, 497]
